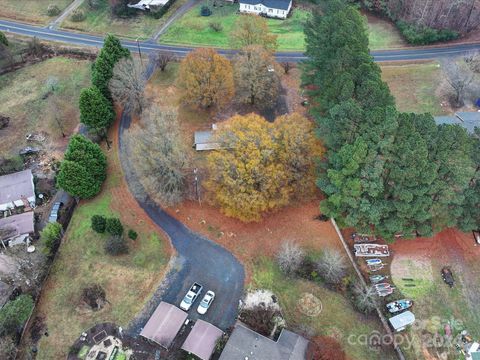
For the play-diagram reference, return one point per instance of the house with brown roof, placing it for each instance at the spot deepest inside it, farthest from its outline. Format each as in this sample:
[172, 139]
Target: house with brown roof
[16, 229]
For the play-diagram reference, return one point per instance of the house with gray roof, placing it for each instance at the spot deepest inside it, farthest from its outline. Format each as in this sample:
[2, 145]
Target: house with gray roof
[269, 8]
[467, 120]
[245, 343]
[16, 229]
[16, 190]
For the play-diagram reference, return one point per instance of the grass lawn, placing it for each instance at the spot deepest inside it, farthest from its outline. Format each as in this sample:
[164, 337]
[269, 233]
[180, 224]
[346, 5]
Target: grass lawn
[193, 29]
[415, 86]
[129, 280]
[23, 98]
[30, 10]
[102, 22]
[337, 318]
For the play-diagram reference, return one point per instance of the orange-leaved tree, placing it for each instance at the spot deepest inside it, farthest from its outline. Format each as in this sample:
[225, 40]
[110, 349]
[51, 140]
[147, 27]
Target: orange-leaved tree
[206, 78]
[252, 30]
[258, 167]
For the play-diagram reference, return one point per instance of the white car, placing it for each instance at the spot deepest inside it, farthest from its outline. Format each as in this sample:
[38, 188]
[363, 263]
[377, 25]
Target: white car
[206, 302]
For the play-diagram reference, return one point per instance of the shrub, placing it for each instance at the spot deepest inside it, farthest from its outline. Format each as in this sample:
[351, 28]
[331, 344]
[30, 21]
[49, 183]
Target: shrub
[94, 296]
[332, 266]
[216, 26]
[422, 35]
[116, 245]
[132, 234]
[50, 237]
[364, 299]
[261, 319]
[98, 223]
[205, 11]
[53, 10]
[77, 16]
[159, 13]
[14, 314]
[114, 226]
[290, 257]
[3, 39]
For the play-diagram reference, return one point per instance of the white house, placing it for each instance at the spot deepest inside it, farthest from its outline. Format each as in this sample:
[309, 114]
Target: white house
[17, 189]
[270, 8]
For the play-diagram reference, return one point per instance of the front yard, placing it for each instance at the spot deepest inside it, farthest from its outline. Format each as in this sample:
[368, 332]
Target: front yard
[34, 11]
[196, 30]
[101, 22]
[129, 280]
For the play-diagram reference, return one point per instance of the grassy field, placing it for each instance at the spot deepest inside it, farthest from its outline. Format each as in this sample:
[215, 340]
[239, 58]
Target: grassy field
[194, 29]
[26, 98]
[102, 22]
[337, 318]
[30, 10]
[128, 280]
[415, 86]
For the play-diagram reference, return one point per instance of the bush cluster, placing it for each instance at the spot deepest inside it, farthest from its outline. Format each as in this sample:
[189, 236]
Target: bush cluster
[53, 10]
[116, 245]
[422, 35]
[205, 11]
[114, 226]
[14, 314]
[78, 15]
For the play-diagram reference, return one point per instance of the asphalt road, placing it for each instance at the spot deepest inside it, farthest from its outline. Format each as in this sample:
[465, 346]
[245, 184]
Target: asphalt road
[69, 37]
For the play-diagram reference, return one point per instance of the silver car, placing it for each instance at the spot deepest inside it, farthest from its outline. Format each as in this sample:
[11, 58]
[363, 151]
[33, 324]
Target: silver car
[206, 302]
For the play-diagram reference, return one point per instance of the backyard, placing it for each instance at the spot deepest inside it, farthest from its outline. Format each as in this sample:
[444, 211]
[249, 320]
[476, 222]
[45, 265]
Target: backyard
[194, 29]
[38, 95]
[129, 280]
[416, 271]
[101, 21]
[30, 10]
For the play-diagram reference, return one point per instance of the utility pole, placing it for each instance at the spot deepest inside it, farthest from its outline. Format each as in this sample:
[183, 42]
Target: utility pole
[139, 51]
[195, 170]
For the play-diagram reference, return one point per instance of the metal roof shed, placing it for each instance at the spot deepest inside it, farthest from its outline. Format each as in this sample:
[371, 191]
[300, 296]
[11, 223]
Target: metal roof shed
[164, 324]
[202, 339]
[401, 321]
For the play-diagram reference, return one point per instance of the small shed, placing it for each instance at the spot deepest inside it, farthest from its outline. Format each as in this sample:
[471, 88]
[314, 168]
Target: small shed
[204, 141]
[164, 324]
[202, 339]
[401, 321]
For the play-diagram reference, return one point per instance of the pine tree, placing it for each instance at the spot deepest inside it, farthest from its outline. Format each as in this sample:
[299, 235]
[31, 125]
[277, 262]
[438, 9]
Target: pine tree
[95, 110]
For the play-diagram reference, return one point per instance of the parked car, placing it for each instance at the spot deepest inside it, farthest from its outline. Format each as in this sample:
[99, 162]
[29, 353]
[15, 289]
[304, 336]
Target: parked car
[55, 212]
[206, 302]
[192, 294]
[399, 305]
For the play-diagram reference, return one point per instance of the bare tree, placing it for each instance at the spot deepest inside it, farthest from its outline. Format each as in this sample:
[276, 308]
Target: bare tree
[159, 155]
[290, 257]
[162, 59]
[472, 59]
[459, 77]
[365, 298]
[128, 84]
[332, 266]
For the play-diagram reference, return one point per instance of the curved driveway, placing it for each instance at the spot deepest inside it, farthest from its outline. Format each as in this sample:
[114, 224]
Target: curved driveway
[70, 37]
[199, 259]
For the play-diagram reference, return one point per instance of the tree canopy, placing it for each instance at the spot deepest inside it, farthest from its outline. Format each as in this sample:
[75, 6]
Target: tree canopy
[385, 172]
[206, 78]
[83, 169]
[252, 30]
[256, 170]
[96, 111]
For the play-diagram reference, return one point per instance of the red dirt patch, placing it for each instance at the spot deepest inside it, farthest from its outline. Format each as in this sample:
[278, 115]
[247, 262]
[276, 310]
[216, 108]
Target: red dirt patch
[250, 240]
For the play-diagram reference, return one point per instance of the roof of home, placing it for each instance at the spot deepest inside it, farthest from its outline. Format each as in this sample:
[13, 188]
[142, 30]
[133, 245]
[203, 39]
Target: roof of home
[164, 324]
[202, 339]
[21, 224]
[274, 4]
[245, 343]
[204, 141]
[15, 186]
[468, 120]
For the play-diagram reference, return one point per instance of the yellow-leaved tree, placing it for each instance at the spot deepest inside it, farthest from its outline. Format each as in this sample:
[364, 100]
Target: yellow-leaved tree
[261, 166]
[206, 78]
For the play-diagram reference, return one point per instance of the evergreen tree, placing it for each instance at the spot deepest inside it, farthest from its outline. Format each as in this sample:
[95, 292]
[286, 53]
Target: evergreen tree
[75, 179]
[95, 110]
[89, 155]
[470, 218]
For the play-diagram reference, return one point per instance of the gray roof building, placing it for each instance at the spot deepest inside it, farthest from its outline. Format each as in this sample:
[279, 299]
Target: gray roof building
[20, 226]
[204, 141]
[15, 187]
[202, 339]
[468, 120]
[248, 344]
